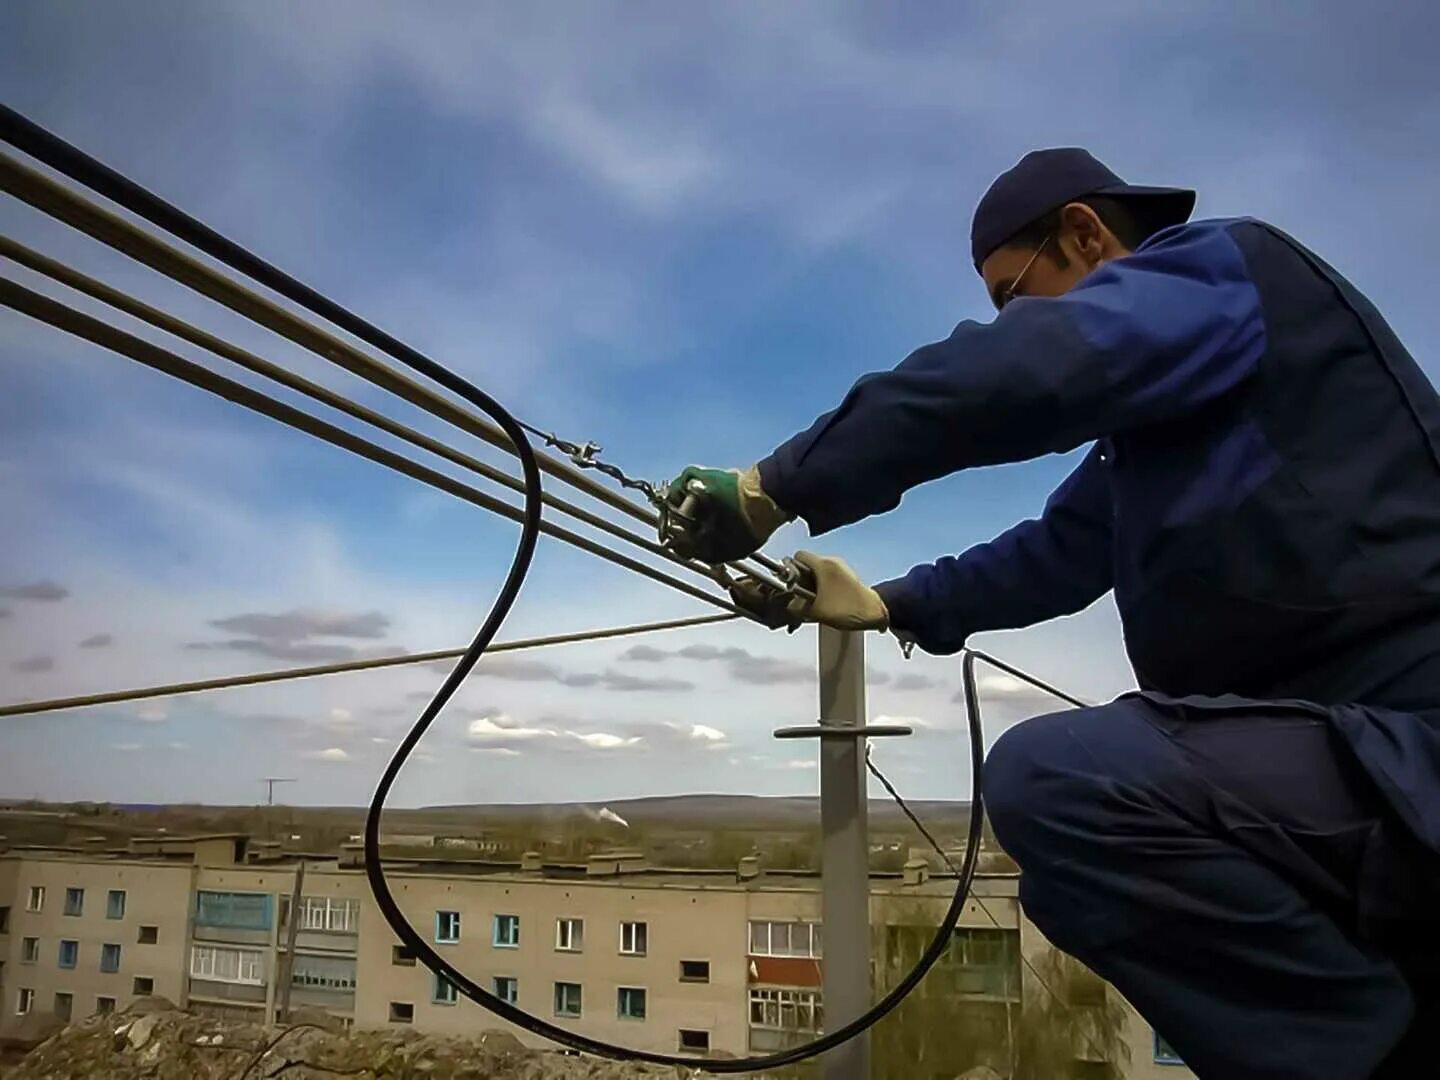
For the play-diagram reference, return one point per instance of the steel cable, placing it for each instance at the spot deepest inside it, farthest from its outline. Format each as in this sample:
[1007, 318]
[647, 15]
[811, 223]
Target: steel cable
[66, 318]
[228, 682]
[70, 161]
[65, 275]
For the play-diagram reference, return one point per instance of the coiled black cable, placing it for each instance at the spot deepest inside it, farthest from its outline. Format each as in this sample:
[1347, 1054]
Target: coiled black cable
[48, 148]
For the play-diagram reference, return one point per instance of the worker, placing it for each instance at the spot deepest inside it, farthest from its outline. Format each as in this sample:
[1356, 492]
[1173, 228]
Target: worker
[1247, 846]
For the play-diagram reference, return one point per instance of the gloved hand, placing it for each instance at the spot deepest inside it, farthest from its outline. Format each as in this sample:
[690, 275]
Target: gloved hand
[731, 518]
[842, 600]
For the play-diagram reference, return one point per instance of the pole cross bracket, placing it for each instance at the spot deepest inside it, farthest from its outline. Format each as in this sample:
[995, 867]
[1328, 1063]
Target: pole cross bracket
[835, 731]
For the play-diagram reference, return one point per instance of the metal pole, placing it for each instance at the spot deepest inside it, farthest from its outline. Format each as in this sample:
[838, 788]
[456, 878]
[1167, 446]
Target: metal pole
[286, 974]
[845, 869]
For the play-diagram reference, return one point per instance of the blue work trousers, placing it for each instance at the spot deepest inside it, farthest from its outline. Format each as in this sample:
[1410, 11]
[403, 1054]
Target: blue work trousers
[1233, 871]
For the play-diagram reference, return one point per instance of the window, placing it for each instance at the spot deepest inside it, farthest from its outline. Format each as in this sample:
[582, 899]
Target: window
[567, 999]
[36, 902]
[237, 911]
[507, 932]
[149, 935]
[142, 986]
[69, 953]
[442, 991]
[74, 902]
[24, 1001]
[325, 914]
[109, 957]
[223, 964]
[507, 988]
[786, 1010]
[785, 939]
[4, 920]
[402, 956]
[631, 1003]
[104, 1005]
[29, 950]
[115, 904]
[696, 971]
[447, 927]
[694, 1041]
[402, 1012]
[1165, 1053]
[569, 934]
[324, 972]
[64, 1005]
[633, 938]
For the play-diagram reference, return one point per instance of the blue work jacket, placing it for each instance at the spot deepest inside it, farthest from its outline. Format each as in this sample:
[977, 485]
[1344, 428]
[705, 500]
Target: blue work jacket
[1262, 495]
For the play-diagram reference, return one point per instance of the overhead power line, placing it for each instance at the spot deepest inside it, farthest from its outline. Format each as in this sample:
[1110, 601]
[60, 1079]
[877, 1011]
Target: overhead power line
[112, 697]
[98, 290]
[66, 318]
[60, 202]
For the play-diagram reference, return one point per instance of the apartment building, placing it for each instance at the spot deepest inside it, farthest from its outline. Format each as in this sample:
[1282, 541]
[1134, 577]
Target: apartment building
[89, 935]
[688, 961]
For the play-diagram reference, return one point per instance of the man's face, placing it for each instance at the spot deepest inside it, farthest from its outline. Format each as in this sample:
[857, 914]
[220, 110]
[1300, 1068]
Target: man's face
[1010, 268]
[1079, 244]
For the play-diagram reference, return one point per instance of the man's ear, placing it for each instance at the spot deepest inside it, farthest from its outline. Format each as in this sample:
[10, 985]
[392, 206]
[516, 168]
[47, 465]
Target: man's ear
[1083, 235]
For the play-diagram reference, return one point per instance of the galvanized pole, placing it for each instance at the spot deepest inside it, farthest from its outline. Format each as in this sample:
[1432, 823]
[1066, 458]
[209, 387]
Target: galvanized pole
[845, 870]
[286, 974]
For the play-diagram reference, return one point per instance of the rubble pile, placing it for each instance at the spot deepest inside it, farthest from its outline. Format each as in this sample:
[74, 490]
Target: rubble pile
[163, 1043]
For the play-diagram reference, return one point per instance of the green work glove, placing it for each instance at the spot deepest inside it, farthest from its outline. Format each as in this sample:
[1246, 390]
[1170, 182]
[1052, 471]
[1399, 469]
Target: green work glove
[842, 600]
[729, 519]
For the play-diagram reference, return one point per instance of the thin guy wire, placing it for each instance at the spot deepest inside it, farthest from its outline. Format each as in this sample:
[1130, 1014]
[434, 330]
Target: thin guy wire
[112, 697]
[98, 290]
[940, 851]
[66, 318]
[75, 210]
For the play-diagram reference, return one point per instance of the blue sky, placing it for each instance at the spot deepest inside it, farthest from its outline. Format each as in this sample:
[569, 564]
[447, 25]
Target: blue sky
[682, 231]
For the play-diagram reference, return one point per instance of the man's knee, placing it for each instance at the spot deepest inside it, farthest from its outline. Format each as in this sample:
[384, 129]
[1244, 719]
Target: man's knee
[1057, 781]
[1019, 782]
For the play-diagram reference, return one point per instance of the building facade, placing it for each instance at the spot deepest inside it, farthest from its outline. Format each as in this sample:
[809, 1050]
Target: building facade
[674, 961]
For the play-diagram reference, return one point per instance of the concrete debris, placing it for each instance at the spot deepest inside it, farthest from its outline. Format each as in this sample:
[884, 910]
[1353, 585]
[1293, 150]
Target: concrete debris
[139, 1033]
[174, 1045]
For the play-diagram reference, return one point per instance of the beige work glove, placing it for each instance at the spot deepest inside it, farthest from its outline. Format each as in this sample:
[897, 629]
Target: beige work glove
[842, 600]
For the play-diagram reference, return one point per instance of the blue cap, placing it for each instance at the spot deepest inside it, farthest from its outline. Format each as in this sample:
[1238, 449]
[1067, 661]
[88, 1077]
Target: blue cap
[1046, 179]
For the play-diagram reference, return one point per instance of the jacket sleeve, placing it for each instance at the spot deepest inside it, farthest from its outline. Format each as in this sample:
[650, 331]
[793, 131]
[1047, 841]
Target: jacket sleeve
[1040, 569]
[1142, 340]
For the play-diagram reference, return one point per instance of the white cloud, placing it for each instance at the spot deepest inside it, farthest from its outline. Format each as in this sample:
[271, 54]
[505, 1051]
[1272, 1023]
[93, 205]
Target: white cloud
[500, 728]
[497, 751]
[909, 721]
[126, 747]
[340, 716]
[600, 740]
[705, 733]
[1002, 684]
[153, 714]
[333, 754]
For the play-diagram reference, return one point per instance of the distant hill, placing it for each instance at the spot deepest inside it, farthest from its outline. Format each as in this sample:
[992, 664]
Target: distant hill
[702, 811]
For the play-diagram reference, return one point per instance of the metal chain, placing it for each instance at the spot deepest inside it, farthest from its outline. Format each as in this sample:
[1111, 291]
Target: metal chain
[587, 456]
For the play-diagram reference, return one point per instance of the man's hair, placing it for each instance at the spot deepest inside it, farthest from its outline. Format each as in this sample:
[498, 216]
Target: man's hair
[1120, 215]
